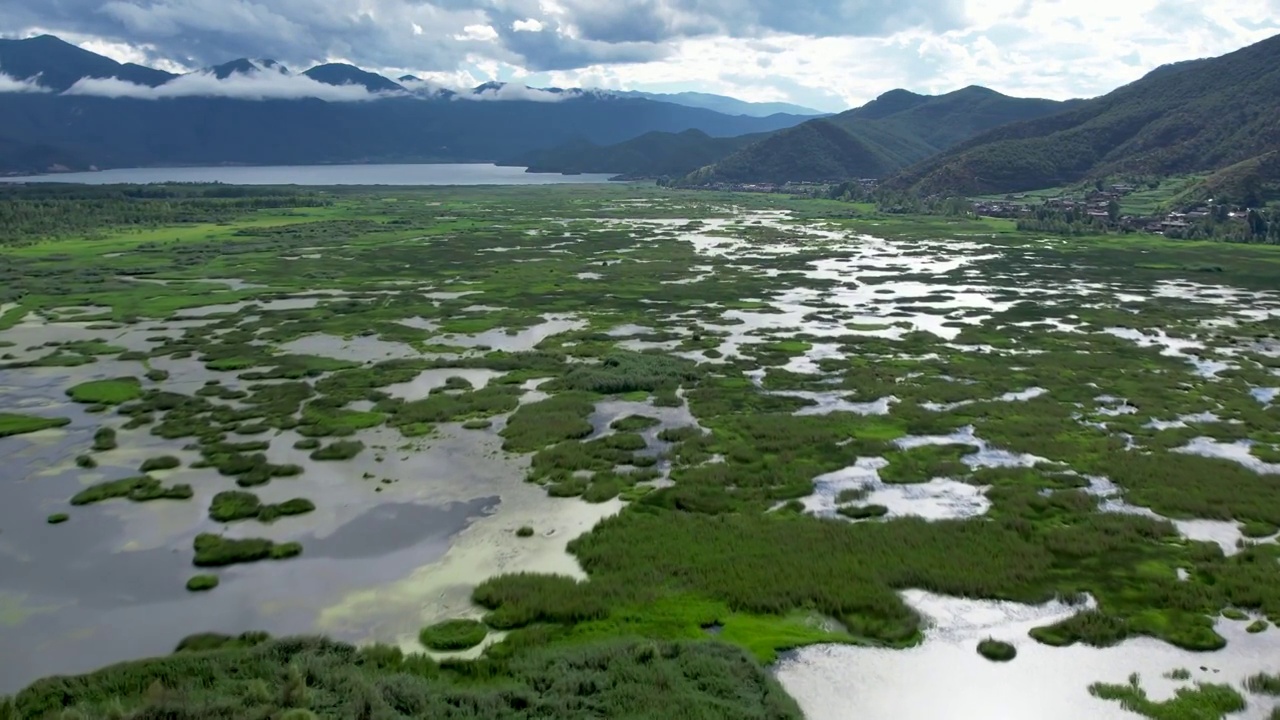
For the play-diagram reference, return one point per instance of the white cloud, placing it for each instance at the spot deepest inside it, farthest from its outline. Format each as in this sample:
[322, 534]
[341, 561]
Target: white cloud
[1045, 48]
[511, 91]
[477, 33]
[9, 84]
[240, 86]
[764, 50]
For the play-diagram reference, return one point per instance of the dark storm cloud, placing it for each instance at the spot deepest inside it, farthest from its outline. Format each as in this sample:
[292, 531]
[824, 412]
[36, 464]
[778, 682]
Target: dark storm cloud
[430, 35]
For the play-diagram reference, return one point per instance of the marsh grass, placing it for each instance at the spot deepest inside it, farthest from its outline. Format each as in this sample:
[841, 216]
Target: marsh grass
[217, 551]
[1203, 700]
[453, 635]
[1263, 684]
[142, 488]
[558, 418]
[223, 678]
[16, 424]
[107, 392]
[706, 550]
[340, 450]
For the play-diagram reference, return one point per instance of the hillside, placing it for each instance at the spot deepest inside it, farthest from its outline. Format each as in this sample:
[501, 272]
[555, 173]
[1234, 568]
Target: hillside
[817, 151]
[20, 158]
[1195, 116]
[232, 115]
[876, 140]
[652, 155]
[1252, 183]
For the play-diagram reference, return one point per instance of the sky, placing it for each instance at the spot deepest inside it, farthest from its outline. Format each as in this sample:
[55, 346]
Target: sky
[826, 54]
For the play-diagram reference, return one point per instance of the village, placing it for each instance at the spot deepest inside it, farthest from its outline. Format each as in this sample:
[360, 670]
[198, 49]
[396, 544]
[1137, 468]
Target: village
[1103, 206]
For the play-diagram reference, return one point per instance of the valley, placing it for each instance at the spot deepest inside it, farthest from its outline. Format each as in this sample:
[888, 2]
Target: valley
[757, 455]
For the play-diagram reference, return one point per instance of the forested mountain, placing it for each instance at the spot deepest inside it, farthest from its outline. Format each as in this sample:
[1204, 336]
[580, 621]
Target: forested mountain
[60, 64]
[1195, 116]
[251, 116]
[652, 155]
[128, 132]
[891, 132]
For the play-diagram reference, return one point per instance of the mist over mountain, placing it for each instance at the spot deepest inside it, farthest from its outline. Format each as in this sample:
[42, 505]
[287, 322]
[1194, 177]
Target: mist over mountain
[77, 104]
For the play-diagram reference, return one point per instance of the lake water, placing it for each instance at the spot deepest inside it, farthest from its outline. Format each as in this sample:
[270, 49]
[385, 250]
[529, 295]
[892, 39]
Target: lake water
[420, 174]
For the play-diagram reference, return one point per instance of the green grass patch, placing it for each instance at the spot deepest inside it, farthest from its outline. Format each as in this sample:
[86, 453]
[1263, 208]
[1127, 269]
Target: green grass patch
[16, 424]
[107, 392]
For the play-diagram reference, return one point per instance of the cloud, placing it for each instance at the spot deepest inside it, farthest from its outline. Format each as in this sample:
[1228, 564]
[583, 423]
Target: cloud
[511, 91]
[829, 54]
[9, 84]
[239, 86]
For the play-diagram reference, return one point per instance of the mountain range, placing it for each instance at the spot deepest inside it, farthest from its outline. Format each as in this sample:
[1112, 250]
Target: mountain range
[886, 135]
[83, 106]
[66, 108]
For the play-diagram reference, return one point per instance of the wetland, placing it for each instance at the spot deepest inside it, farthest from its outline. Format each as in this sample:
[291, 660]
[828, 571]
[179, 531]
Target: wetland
[514, 451]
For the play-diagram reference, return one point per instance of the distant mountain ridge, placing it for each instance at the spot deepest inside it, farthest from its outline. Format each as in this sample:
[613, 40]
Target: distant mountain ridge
[1195, 116]
[652, 155]
[893, 131]
[343, 74]
[721, 103]
[251, 111]
[31, 58]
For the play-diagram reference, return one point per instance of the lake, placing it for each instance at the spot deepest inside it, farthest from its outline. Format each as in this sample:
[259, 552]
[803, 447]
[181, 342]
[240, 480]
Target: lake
[416, 174]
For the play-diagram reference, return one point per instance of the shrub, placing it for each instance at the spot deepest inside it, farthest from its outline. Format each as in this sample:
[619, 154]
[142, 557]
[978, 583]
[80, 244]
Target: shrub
[216, 550]
[634, 423]
[57, 518]
[307, 444]
[104, 439]
[86, 461]
[524, 532]
[340, 450]
[164, 462]
[453, 635]
[862, 512]
[234, 505]
[996, 650]
[202, 583]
